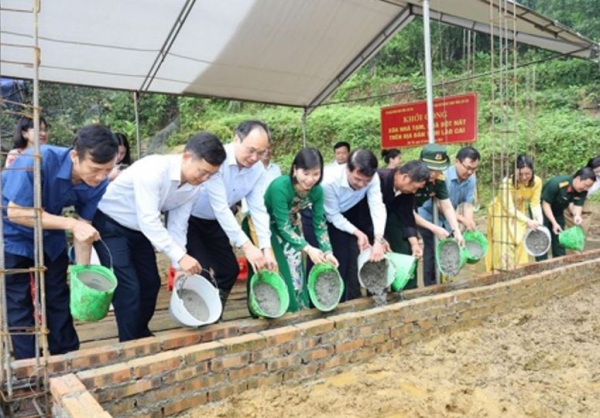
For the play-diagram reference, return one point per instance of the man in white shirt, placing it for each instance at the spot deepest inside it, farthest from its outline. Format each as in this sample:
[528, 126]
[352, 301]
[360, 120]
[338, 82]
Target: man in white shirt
[346, 187]
[341, 151]
[129, 221]
[213, 227]
[272, 172]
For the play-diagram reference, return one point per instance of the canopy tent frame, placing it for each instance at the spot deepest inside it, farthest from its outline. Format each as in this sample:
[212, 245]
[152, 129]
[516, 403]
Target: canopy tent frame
[535, 30]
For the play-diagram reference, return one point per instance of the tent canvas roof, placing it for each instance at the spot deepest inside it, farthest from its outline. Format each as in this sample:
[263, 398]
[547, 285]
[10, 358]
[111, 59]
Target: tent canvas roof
[287, 52]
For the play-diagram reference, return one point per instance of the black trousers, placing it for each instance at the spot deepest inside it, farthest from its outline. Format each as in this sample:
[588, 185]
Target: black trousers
[208, 243]
[428, 257]
[345, 245]
[62, 337]
[134, 264]
[557, 249]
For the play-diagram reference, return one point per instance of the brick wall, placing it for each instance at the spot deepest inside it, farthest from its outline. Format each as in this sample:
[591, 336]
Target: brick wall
[106, 354]
[166, 375]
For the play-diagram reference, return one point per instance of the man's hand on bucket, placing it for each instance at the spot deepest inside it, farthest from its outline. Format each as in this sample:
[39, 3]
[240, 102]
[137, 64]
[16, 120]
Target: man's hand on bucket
[189, 265]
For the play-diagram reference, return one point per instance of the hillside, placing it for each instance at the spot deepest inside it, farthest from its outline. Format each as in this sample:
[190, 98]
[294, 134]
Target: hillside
[557, 100]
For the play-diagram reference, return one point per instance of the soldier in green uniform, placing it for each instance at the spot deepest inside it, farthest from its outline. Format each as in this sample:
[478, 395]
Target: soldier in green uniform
[435, 157]
[557, 195]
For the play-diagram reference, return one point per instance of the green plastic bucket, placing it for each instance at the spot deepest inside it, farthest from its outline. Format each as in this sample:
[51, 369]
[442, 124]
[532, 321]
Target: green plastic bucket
[274, 281]
[317, 271]
[404, 266]
[572, 238]
[459, 262]
[92, 288]
[477, 238]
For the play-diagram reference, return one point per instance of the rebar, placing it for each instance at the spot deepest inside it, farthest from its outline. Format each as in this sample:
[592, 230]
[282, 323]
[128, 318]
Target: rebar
[37, 384]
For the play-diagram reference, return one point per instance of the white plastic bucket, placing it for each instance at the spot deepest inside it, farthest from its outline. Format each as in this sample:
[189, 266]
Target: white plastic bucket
[364, 256]
[530, 250]
[202, 288]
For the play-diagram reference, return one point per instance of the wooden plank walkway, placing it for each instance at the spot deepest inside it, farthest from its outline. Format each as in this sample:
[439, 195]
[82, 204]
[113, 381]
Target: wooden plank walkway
[91, 334]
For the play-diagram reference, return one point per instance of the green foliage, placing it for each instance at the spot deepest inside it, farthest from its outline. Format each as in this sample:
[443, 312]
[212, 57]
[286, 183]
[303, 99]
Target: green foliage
[554, 119]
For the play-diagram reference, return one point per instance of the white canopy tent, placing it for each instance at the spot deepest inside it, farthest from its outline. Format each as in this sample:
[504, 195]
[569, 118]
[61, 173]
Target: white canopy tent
[288, 52]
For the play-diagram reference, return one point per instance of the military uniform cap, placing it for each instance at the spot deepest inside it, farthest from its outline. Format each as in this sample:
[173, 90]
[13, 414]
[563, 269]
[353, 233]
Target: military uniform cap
[435, 157]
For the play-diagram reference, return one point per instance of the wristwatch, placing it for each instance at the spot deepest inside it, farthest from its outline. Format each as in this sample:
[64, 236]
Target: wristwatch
[380, 240]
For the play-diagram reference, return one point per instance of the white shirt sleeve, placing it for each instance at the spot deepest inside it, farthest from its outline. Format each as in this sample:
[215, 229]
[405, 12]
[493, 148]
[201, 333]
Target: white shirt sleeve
[147, 207]
[178, 220]
[217, 197]
[332, 210]
[376, 206]
[256, 205]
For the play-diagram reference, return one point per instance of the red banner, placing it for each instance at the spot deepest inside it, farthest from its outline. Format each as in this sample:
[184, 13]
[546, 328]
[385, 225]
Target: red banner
[405, 125]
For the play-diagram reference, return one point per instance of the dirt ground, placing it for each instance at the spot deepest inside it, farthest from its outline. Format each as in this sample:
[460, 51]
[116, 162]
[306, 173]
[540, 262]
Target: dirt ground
[541, 362]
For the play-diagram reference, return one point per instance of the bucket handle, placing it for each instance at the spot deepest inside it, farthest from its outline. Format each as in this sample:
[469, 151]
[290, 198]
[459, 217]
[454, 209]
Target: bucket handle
[108, 252]
[181, 281]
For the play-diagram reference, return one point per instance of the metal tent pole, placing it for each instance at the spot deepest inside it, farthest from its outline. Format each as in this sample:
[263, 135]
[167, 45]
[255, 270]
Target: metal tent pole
[136, 106]
[304, 113]
[430, 114]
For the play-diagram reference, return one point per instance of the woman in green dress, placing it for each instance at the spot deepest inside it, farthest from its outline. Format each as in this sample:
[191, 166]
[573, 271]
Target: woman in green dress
[284, 199]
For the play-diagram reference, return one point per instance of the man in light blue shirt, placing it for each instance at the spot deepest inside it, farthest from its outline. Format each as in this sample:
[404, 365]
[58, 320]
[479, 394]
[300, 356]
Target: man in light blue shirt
[461, 184]
[213, 227]
[352, 192]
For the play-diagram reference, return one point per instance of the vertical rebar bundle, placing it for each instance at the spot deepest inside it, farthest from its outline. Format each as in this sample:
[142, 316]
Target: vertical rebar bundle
[504, 123]
[34, 391]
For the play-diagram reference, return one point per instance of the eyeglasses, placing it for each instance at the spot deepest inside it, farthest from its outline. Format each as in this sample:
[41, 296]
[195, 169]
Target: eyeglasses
[254, 151]
[469, 169]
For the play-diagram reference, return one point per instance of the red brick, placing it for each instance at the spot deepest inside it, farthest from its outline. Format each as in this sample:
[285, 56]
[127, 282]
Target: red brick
[139, 348]
[186, 373]
[245, 372]
[237, 360]
[301, 373]
[158, 363]
[219, 331]
[337, 337]
[244, 343]
[205, 351]
[82, 406]
[248, 326]
[178, 339]
[305, 343]
[349, 320]
[319, 353]
[105, 376]
[147, 414]
[281, 335]
[205, 381]
[226, 391]
[260, 382]
[336, 361]
[316, 327]
[123, 391]
[362, 354]
[348, 346]
[25, 369]
[122, 407]
[94, 357]
[151, 398]
[284, 363]
[186, 403]
[68, 384]
[268, 353]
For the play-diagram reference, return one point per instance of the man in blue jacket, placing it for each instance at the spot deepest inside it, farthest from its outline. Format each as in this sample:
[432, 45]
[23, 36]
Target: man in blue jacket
[76, 177]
